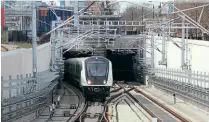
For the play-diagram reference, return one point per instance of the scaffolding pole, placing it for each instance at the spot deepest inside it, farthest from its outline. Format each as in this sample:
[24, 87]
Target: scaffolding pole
[183, 44]
[34, 42]
[152, 51]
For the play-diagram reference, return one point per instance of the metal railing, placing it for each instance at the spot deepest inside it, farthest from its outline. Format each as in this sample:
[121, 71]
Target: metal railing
[15, 87]
[191, 86]
[195, 78]
[32, 95]
[28, 105]
[188, 92]
[89, 13]
[12, 12]
[22, 85]
[111, 23]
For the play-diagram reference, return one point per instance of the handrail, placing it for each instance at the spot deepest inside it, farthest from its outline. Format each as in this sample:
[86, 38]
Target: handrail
[35, 105]
[10, 119]
[27, 98]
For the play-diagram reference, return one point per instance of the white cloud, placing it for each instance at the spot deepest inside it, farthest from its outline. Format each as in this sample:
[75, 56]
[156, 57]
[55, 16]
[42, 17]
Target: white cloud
[124, 4]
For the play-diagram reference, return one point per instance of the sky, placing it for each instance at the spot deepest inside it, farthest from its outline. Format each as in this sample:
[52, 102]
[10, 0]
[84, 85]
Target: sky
[123, 5]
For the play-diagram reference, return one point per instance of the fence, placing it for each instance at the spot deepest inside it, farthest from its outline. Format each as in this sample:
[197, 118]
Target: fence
[20, 85]
[195, 78]
[28, 105]
[192, 86]
[24, 96]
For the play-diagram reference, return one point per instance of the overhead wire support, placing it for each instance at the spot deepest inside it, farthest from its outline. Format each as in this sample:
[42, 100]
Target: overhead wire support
[183, 45]
[189, 19]
[201, 14]
[190, 9]
[67, 21]
[34, 40]
[52, 10]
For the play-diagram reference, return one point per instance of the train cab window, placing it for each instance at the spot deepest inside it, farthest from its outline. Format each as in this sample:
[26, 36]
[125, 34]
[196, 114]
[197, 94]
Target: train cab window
[97, 68]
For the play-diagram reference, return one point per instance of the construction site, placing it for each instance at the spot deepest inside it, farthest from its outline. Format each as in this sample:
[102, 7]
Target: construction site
[149, 58]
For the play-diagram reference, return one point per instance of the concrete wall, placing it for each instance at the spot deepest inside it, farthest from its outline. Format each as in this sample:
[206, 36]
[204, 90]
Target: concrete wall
[199, 55]
[19, 61]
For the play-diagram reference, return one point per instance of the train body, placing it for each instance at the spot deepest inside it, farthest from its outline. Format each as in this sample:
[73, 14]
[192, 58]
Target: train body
[92, 74]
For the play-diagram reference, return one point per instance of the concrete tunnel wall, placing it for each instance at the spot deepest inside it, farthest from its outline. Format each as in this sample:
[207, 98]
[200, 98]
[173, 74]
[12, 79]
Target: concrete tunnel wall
[17, 62]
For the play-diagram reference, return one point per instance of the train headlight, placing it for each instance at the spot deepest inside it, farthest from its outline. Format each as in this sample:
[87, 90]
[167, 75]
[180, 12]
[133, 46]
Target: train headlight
[104, 81]
[89, 82]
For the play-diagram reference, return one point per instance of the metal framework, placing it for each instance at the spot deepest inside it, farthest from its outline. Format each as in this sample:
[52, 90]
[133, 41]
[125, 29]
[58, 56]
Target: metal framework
[187, 84]
[82, 32]
[26, 95]
[190, 86]
[182, 82]
[17, 14]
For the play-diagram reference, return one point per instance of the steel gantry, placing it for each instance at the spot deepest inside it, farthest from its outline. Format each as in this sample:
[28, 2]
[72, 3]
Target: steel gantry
[163, 26]
[81, 32]
[99, 34]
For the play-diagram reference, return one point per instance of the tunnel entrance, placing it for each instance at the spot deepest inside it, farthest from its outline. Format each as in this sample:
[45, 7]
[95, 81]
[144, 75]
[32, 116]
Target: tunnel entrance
[123, 66]
[76, 53]
[122, 62]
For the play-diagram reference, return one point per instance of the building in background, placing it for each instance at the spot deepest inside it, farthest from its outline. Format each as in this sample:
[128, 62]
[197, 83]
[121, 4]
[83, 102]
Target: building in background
[18, 18]
[2, 16]
[70, 4]
[62, 4]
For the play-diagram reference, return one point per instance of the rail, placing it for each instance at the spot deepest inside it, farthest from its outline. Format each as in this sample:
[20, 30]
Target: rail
[163, 106]
[145, 108]
[81, 104]
[26, 105]
[153, 108]
[192, 86]
[188, 93]
[22, 85]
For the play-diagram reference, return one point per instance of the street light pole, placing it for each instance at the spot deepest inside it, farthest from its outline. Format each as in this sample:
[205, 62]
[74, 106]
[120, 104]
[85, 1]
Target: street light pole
[132, 18]
[196, 18]
[153, 7]
[34, 42]
[142, 19]
[153, 12]
[160, 9]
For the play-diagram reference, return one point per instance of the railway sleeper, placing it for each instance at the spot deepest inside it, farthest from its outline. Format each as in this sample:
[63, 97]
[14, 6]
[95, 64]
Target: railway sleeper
[73, 106]
[93, 115]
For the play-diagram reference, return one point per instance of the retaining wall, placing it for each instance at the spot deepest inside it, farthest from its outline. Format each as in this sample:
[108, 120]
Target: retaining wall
[198, 55]
[17, 62]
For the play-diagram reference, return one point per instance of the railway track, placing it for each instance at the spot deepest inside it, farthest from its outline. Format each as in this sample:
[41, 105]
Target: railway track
[74, 108]
[163, 107]
[138, 107]
[81, 106]
[72, 104]
[142, 108]
[96, 111]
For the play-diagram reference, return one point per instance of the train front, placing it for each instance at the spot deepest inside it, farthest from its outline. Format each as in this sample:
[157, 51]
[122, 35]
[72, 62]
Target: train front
[98, 76]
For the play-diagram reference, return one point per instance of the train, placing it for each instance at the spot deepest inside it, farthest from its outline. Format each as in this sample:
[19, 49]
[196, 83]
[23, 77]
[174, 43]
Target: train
[92, 75]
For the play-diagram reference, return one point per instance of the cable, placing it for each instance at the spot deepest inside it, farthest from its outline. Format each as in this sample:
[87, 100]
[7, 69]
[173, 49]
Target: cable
[17, 9]
[190, 8]
[32, 18]
[67, 21]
